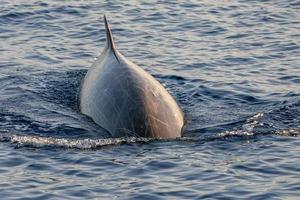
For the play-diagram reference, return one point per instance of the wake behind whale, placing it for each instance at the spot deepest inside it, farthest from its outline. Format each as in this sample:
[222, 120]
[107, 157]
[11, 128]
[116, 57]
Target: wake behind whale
[126, 100]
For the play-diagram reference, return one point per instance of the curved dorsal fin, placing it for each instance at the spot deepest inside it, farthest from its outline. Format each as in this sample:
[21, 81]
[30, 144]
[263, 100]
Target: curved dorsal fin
[109, 39]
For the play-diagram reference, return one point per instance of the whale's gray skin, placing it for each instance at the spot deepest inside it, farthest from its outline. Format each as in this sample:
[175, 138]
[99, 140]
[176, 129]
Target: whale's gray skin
[126, 100]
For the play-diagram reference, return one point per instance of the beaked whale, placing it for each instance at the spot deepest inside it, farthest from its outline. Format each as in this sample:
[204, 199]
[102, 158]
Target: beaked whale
[126, 100]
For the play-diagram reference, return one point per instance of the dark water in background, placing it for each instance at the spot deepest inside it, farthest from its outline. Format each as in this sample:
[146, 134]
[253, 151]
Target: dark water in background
[233, 67]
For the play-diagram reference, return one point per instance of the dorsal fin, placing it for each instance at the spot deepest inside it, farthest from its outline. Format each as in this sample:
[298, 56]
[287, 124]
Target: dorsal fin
[109, 39]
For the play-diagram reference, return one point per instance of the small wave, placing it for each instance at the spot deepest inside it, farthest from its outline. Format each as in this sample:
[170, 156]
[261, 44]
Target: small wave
[171, 77]
[16, 15]
[260, 124]
[247, 129]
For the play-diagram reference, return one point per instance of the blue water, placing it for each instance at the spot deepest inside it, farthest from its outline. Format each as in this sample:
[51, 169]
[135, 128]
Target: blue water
[233, 68]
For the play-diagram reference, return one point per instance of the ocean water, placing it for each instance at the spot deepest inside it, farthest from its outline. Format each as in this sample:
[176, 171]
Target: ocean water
[233, 67]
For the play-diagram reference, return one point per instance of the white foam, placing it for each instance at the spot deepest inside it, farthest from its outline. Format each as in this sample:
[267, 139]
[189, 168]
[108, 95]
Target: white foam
[42, 141]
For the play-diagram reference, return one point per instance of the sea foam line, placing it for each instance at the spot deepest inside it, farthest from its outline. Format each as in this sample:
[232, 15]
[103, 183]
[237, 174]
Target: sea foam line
[43, 141]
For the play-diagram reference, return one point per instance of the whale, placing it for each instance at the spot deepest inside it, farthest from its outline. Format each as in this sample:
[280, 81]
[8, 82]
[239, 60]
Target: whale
[127, 101]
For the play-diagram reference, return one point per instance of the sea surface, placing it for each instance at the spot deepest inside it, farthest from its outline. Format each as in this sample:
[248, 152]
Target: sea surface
[233, 67]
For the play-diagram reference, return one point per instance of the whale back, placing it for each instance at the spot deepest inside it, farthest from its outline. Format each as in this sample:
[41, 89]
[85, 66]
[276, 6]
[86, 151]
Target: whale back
[126, 100]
